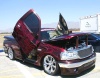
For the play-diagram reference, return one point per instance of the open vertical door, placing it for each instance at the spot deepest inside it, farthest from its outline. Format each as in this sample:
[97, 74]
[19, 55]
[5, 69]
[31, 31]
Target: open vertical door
[27, 31]
[62, 27]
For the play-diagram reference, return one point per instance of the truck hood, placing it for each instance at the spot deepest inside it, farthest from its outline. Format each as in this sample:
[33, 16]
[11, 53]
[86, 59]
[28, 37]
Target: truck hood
[59, 41]
[67, 36]
[67, 41]
[60, 38]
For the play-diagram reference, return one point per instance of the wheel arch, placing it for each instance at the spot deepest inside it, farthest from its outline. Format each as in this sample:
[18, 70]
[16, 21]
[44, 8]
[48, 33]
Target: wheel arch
[13, 53]
[58, 67]
[41, 61]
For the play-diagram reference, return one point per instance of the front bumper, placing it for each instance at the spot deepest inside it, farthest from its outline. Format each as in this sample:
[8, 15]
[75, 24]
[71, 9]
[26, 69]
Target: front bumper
[73, 65]
[77, 67]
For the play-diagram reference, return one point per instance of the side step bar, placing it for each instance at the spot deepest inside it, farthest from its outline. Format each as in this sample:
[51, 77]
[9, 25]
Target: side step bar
[29, 60]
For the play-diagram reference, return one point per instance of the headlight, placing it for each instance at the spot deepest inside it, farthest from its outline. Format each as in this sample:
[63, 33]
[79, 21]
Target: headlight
[69, 55]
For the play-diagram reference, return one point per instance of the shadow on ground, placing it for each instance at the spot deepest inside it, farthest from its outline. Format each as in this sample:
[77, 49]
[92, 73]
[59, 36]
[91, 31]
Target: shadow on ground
[30, 65]
[62, 76]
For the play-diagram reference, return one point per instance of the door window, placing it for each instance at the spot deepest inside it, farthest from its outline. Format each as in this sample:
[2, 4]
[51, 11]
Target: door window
[32, 23]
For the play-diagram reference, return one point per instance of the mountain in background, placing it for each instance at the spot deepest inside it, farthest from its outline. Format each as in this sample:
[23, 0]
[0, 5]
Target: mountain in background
[9, 30]
[71, 25]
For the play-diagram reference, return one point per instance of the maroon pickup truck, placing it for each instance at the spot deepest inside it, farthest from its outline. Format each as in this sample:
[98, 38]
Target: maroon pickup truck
[57, 50]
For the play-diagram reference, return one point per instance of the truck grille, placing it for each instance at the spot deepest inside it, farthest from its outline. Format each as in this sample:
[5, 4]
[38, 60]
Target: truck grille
[85, 52]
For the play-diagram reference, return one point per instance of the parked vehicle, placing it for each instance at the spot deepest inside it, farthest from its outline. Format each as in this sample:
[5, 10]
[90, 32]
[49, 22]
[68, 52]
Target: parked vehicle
[94, 40]
[56, 50]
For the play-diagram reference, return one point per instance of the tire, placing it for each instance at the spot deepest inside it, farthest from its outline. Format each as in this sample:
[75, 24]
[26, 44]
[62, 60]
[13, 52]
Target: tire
[11, 53]
[50, 65]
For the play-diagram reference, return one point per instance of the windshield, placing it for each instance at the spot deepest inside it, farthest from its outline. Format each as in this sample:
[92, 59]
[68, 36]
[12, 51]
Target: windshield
[96, 35]
[47, 35]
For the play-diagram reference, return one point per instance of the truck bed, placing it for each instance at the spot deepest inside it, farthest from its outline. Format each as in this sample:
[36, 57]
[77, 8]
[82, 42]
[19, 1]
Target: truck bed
[10, 37]
[9, 40]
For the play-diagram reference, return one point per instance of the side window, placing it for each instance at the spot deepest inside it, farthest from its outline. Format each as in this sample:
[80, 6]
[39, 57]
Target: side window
[45, 35]
[32, 23]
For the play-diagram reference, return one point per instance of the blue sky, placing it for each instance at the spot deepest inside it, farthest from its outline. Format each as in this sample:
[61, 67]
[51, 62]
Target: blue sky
[48, 10]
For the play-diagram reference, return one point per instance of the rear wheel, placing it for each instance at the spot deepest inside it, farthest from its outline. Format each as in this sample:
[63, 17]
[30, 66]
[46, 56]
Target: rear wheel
[50, 65]
[11, 53]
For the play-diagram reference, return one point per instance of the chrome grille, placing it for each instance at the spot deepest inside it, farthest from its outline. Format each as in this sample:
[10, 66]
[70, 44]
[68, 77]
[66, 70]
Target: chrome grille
[85, 52]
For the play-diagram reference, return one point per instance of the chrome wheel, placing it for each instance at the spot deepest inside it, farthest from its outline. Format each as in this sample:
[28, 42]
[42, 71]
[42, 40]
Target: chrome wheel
[10, 54]
[50, 65]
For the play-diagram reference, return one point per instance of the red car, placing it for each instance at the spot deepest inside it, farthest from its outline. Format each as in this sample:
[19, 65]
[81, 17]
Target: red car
[57, 50]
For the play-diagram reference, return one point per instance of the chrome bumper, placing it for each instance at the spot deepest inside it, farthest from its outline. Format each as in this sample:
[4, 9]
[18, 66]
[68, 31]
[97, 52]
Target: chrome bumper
[78, 64]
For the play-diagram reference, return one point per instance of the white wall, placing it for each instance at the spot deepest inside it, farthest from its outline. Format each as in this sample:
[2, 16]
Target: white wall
[89, 24]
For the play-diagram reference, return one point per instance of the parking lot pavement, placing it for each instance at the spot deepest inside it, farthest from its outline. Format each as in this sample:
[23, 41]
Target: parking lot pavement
[18, 69]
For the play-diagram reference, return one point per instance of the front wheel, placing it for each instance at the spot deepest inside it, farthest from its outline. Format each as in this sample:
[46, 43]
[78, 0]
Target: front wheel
[50, 65]
[11, 53]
